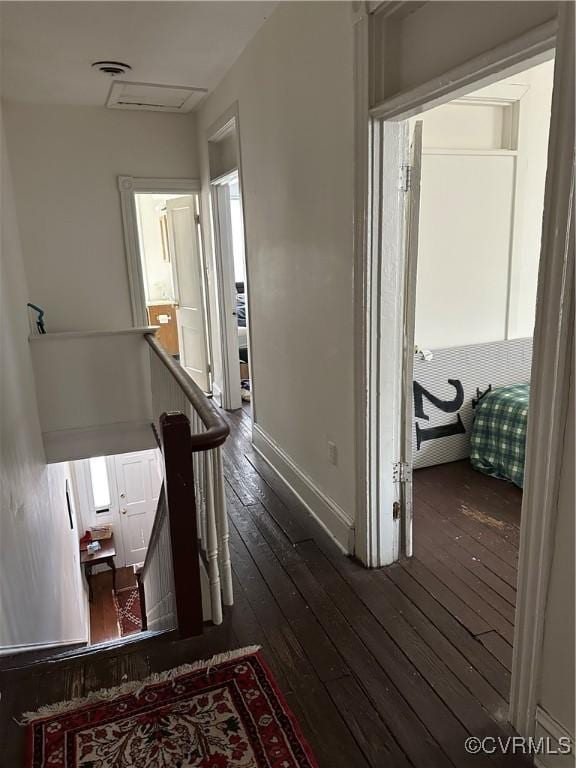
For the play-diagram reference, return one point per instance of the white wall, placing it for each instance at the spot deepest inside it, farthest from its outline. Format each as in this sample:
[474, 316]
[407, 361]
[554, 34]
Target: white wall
[41, 594]
[481, 215]
[83, 411]
[534, 126]
[65, 163]
[295, 100]
[441, 35]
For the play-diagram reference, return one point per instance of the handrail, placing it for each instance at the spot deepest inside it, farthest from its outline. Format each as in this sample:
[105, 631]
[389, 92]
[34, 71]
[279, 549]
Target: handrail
[175, 563]
[217, 429]
[159, 515]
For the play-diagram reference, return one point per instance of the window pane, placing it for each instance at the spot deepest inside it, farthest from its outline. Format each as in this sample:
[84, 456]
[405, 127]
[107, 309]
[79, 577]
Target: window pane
[100, 487]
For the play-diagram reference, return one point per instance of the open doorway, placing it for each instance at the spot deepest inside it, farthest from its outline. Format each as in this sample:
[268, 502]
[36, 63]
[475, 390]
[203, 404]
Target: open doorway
[472, 301]
[166, 269]
[117, 498]
[468, 234]
[228, 203]
[230, 261]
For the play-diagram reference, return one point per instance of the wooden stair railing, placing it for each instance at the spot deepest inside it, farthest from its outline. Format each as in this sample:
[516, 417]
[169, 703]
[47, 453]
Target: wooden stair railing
[190, 527]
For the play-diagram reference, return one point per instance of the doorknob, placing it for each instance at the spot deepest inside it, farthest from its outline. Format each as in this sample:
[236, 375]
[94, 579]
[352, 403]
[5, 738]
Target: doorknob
[123, 510]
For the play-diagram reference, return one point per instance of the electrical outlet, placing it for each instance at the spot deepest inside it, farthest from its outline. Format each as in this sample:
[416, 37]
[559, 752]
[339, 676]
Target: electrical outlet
[333, 453]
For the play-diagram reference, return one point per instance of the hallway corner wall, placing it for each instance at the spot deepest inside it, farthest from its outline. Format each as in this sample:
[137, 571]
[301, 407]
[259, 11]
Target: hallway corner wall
[41, 594]
[295, 100]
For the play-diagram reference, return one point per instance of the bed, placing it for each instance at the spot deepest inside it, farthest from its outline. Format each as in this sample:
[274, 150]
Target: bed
[498, 439]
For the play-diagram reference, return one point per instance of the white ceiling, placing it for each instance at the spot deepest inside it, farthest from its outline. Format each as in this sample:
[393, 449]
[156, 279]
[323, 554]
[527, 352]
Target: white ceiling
[48, 47]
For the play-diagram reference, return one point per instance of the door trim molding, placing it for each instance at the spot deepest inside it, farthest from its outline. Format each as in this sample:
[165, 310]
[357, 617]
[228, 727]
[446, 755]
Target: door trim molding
[128, 187]
[496, 63]
[227, 122]
[554, 332]
[551, 378]
[376, 535]
[230, 393]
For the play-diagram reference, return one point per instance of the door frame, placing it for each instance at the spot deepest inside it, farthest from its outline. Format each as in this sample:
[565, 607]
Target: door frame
[129, 187]
[229, 121]
[380, 152]
[553, 336]
[219, 198]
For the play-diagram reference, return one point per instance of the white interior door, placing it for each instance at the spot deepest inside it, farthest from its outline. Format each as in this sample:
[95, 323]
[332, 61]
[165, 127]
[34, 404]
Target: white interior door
[412, 227]
[189, 285]
[231, 392]
[138, 482]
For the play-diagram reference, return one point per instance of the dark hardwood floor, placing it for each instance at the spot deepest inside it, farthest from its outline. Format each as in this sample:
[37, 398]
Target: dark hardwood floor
[389, 668]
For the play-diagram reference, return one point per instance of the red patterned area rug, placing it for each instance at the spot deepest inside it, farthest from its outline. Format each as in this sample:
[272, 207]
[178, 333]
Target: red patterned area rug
[127, 604]
[222, 713]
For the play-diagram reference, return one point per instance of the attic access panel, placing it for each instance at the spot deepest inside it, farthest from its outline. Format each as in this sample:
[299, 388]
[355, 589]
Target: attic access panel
[153, 97]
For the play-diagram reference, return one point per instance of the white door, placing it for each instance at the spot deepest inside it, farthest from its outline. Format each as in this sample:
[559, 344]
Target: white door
[138, 482]
[412, 224]
[189, 284]
[231, 391]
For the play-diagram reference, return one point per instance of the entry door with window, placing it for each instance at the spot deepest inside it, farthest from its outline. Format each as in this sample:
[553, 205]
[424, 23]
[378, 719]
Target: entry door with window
[138, 482]
[189, 283]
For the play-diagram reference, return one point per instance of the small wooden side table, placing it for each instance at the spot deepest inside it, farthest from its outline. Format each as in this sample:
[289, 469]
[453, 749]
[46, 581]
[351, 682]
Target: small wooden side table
[104, 556]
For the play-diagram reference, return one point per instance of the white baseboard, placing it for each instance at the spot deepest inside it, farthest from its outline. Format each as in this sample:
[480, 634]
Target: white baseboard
[335, 521]
[12, 650]
[549, 728]
[106, 440]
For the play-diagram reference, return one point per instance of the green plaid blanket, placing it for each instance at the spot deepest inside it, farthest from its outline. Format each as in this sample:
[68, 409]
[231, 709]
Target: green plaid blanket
[498, 438]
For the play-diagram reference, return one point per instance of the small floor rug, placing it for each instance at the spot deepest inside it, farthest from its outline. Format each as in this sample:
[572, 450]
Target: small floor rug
[127, 604]
[223, 713]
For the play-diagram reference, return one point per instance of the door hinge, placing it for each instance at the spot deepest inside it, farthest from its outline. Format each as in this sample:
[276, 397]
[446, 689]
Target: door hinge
[401, 472]
[405, 177]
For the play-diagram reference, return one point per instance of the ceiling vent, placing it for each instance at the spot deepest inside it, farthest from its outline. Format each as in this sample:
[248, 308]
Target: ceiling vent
[153, 97]
[112, 68]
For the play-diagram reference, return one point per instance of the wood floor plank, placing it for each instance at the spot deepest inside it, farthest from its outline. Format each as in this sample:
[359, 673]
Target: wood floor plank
[416, 741]
[468, 595]
[496, 674]
[323, 724]
[457, 483]
[466, 518]
[444, 648]
[493, 562]
[471, 577]
[475, 624]
[318, 646]
[427, 704]
[467, 534]
[499, 647]
[424, 528]
[372, 735]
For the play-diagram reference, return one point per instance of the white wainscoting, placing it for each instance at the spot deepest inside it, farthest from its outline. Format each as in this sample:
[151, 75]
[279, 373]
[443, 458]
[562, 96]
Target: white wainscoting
[335, 521]
[549, 728]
